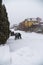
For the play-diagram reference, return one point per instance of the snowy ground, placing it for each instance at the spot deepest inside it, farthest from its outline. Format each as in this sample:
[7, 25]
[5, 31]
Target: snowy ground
[26, 51]
[5, 55]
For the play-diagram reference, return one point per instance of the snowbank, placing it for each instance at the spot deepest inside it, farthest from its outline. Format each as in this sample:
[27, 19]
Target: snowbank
[4, 55]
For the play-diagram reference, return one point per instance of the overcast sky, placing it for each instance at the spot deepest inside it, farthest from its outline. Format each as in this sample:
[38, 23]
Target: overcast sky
[18, 10]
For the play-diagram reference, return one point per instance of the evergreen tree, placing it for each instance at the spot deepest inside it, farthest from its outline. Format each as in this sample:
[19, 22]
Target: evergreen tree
[4, 24]
[0, 1]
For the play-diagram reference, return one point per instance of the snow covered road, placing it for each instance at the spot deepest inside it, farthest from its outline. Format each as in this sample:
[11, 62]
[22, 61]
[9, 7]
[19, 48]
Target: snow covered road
[26, 51]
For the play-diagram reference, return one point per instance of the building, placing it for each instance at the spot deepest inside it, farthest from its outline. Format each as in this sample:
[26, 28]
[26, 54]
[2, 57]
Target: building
[30, 24]
[31, 21]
